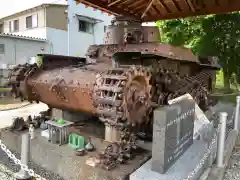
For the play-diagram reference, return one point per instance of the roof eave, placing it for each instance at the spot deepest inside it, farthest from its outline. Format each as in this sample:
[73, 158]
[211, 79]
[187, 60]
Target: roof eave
[22, 37]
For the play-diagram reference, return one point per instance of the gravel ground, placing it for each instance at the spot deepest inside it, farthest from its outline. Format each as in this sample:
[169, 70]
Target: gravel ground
[5, 173]
[8, 167]
[233, 170]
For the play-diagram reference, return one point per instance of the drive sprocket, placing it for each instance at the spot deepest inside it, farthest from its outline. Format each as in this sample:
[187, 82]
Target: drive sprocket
[123, 95]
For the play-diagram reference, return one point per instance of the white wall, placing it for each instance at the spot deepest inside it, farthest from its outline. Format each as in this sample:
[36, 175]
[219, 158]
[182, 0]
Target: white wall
[35, 32]
[57, 41]
[38, 13]
[80, 41]
[18, 51]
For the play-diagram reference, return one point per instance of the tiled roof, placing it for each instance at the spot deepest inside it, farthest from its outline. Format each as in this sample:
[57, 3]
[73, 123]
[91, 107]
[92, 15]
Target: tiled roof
[22, 37]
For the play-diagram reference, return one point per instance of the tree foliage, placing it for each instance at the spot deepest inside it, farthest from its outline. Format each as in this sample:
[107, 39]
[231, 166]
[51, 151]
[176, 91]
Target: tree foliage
[212, 35]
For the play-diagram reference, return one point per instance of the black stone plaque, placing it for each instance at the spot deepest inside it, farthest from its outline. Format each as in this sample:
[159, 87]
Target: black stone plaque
[172, 133]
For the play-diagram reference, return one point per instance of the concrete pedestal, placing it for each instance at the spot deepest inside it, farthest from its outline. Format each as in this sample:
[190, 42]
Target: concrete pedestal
[69, 115]
[62, 160]
[112, 134]
[181, 168]
[57, 113]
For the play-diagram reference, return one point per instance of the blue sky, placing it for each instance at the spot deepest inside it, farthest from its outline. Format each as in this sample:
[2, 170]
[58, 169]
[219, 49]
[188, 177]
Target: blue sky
[9, 7]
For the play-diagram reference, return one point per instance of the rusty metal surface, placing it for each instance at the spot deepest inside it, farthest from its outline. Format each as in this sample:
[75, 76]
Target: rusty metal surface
[116, 95]
[67, 88]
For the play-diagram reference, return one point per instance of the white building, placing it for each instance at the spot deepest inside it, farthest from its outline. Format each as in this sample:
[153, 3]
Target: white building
[18, 49]
[92, 22]
[50, 21]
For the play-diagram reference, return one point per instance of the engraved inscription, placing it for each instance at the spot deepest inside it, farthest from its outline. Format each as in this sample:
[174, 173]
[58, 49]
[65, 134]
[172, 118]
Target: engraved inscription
[172, 134]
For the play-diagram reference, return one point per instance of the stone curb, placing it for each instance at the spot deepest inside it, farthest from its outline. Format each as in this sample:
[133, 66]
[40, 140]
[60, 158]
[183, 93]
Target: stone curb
[216, 173]
[18, 107]
[219, 94]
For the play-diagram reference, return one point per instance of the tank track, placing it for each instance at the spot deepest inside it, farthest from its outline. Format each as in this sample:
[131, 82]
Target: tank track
[18, 81]
[113, 91]
[194, 85]
[162, 85]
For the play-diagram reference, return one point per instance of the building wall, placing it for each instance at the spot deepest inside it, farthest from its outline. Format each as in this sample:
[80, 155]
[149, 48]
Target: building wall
[53, 12]
[57, 41]
[80, 41]
[18, 51]
[54, 29]
[22, 21]
[35, 32]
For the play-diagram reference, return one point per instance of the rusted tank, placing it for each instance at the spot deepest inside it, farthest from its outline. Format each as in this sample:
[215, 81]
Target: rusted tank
[120, 81]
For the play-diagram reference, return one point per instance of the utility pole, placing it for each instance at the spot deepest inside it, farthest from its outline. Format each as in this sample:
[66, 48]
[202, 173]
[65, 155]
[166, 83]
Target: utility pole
[69, 14]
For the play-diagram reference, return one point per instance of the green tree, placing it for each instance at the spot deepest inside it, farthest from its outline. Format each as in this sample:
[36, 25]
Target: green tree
[212, 35]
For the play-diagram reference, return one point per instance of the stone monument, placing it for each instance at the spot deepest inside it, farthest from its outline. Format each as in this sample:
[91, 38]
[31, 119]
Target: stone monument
[172, 133]
[201, 122]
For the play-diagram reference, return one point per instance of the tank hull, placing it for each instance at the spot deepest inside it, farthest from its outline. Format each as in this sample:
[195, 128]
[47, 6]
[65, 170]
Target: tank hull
[69, 87]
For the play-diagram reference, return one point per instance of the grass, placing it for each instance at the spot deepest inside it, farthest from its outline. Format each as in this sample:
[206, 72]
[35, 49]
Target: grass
[4, 89]
[222, 94]
[219, 80]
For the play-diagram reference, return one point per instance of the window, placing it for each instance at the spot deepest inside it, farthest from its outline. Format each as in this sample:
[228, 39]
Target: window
[31, 21]
[1, 28]
[10, 26]
[85, 26]
[1, 48]
[16, 25]
[82, 26]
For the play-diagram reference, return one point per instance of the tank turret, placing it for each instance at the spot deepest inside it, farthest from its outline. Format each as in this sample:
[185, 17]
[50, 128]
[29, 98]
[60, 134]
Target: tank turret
[130, 31]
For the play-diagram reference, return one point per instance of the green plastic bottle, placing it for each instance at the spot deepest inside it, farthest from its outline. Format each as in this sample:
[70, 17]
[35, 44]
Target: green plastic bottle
[76, 141]
[60, 121]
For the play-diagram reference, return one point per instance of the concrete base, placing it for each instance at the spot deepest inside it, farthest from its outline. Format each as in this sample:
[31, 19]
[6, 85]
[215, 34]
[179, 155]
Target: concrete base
[191, 158]
[63, 161]
[69, 115]
[180, 170]
[112, 134]
[22, 176]
[57, 113]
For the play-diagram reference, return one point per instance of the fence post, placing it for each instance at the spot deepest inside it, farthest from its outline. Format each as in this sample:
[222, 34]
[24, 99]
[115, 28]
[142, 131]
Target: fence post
[236, 119]
[221, 139]
[25, 157]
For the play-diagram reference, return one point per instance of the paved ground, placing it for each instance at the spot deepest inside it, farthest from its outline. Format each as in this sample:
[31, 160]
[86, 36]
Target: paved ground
[7, 116]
